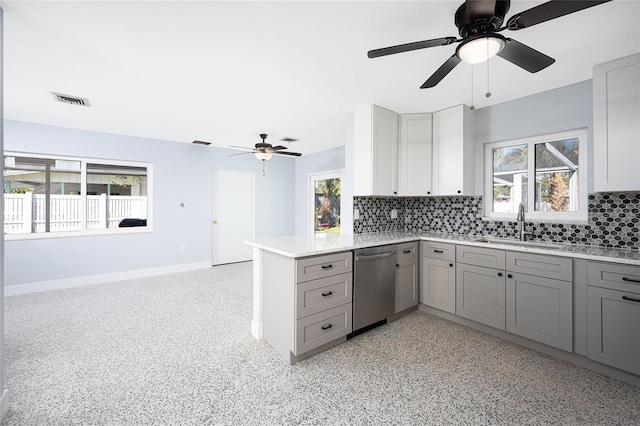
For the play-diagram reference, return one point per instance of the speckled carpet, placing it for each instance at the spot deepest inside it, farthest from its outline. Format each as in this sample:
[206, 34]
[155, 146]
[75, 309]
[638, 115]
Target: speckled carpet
[176, 349]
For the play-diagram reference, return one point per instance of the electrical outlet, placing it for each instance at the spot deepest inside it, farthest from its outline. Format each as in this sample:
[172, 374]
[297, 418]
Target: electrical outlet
[356, 214]
[394, 214]
[182, 247]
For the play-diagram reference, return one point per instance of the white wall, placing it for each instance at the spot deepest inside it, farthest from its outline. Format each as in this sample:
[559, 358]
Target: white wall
[324, 161]
[564, 108]
[182, 173]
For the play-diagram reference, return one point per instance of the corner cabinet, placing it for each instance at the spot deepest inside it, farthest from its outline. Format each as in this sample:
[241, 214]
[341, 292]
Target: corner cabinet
[616, 127]
[374, 151]
[453, 152]
[414, 155]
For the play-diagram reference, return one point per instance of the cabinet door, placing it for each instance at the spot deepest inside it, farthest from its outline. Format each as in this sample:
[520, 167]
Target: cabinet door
[406, 284]
[453, 152]
[614, 335]
[480, 295]
[414, 155]
[616, 128]
[385, 148]
[540, 309]
[438, 288]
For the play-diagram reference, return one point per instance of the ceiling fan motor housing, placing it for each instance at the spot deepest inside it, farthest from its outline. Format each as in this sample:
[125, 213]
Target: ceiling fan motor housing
[468, 27]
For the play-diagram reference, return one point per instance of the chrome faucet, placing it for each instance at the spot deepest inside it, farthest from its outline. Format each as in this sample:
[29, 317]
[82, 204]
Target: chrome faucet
[523, 234]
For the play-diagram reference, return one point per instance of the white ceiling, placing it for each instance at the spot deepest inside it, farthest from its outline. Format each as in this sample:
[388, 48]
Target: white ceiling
[226, 71]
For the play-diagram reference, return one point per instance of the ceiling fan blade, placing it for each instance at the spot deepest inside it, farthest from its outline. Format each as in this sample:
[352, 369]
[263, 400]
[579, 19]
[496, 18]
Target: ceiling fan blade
[293, 154]
[240, 153]
[550, 10]
[441, 72]
[524, 56]
[410, 46]
[278, 148]
[478, 9]
[241, 147]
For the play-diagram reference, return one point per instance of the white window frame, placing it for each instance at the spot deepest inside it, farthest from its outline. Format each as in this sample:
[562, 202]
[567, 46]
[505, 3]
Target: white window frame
[83, 201]
[332, 174]
[579, 216]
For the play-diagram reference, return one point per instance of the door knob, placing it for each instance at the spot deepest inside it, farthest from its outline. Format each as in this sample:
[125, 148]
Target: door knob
[215, 222]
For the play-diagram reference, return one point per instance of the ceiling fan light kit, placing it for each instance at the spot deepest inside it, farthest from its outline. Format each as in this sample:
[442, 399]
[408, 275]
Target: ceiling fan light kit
[478, 22]
[480, 49]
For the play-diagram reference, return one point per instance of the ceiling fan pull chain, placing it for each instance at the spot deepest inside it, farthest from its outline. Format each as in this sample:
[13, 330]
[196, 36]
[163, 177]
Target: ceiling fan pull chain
[488, 95]
[472, 104]
[263, 167]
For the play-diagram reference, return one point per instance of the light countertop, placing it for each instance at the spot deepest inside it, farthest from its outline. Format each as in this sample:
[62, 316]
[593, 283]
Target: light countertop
[310, 245]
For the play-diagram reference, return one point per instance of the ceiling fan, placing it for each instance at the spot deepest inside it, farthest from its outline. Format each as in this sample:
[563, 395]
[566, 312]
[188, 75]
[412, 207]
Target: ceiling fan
[479, 22]
[263, 150]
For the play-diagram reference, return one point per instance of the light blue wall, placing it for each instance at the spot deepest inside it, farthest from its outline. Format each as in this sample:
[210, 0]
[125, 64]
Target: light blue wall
[566, 108]
[182, 173]
[324, 161]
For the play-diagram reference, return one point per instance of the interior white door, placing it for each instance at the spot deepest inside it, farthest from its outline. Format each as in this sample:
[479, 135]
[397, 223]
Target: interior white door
[233, 216]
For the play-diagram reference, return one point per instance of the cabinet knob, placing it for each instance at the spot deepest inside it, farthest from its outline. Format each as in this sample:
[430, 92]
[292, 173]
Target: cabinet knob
[509, 276]
[395, 192]
[451, 265]
[499, 274]
[428, 192]
[459, 192]
[397, 265]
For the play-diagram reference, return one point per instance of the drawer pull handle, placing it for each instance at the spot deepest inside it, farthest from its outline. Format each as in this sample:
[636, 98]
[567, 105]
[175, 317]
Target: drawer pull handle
[438, 251]
[329, 293]
[630, 279]
[326, 327]
[407, 251]
[329, 266]
[630, 299]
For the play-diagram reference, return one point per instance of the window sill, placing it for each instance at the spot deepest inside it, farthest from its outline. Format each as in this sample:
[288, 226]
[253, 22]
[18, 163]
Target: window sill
[93, 233]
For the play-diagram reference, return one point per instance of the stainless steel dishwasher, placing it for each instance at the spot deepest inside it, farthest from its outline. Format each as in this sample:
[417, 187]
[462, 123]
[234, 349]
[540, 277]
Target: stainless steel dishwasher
[374, 285]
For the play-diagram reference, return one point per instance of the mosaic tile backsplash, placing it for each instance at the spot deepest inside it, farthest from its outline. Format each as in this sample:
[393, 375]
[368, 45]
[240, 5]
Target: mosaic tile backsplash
[613, 219]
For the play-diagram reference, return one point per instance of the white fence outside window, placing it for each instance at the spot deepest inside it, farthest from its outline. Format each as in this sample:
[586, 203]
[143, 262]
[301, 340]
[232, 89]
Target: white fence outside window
[26, 213]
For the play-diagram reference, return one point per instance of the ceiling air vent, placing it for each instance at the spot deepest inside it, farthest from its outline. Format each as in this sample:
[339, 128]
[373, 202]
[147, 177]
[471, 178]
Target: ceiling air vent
[73, 100]
[197, 142]
[286, 139]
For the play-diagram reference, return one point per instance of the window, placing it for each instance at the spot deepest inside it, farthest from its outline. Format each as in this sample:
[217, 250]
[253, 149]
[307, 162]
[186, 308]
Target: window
[46, 196]
[325, 202]
[546, 173]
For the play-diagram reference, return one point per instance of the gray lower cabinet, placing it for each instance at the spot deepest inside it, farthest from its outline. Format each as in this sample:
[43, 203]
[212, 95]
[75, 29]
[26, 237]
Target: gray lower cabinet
[439, 284]
[614, 315]
[540, 309]
[480, 294]
[406, 284]
[438, 276]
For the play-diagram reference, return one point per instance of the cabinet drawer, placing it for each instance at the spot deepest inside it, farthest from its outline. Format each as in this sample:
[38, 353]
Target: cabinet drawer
[313, 268]
[437, 250]
[614, 276]
[559, 268]
[480, 256]
[407, 251]
[326, 293]
[324, 327]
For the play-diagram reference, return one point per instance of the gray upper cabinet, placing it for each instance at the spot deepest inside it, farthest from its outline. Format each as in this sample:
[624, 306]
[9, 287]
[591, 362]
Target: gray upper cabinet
[614, 315]
[414, 155]
[616, 127]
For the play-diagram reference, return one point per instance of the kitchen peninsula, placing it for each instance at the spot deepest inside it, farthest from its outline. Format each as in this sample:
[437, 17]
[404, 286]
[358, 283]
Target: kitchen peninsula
[541, 292]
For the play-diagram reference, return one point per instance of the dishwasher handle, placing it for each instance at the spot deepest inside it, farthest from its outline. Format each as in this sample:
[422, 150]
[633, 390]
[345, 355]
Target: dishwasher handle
[375, 256]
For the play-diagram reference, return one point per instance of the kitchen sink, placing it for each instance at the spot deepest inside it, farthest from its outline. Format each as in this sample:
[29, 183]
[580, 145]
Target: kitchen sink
[546, 246]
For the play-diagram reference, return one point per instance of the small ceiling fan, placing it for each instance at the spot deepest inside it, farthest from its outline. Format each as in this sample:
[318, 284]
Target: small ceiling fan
[263, 150]
[479, 22]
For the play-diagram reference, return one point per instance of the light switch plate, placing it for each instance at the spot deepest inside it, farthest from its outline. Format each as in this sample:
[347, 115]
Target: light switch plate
[394, 214]
[356, 214]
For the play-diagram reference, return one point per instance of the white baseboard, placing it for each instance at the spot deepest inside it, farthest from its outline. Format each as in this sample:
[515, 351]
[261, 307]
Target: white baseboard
[256, 329]
[4, 405]
[14, 290]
